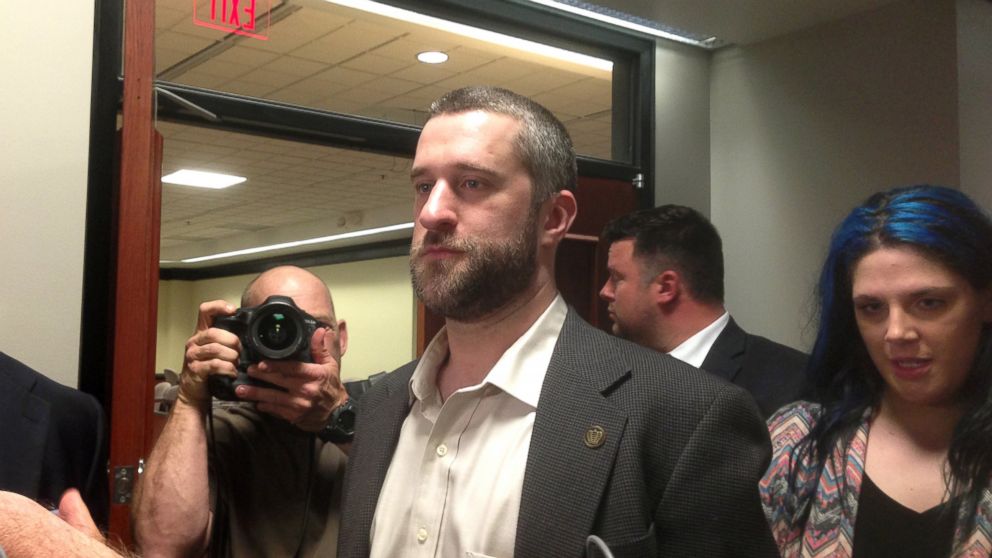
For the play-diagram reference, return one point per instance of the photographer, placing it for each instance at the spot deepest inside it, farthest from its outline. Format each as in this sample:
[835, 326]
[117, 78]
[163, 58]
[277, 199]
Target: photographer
[272, 486]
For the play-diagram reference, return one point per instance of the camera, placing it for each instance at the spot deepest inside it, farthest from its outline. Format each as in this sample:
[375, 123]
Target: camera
[275, 330]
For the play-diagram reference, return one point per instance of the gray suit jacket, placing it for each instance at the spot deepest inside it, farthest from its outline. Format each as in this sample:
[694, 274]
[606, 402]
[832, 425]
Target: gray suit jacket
[676, 476]
[772, 373]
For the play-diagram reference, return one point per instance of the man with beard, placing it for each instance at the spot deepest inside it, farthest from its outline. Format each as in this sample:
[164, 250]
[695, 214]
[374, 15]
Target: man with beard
[665, 291]
[523, 431]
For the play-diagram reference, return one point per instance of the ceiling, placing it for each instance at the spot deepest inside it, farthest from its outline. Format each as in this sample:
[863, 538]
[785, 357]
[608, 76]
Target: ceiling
[320, 55]
[742, 22]
[323, 56]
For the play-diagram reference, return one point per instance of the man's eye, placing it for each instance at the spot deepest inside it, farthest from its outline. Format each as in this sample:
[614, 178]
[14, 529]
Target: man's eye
[931, 303]
[422, 187]
[472, 184]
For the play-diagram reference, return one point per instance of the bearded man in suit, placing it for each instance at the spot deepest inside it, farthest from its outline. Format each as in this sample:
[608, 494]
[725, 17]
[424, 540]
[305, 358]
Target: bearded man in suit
[523, 431]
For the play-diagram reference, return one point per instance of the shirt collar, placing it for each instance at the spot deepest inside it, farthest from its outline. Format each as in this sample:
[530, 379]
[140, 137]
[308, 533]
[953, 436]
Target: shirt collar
[519, 371]
[694, 349]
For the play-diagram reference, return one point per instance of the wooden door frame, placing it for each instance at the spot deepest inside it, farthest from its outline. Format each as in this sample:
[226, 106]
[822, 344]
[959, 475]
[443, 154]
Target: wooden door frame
[137, 250]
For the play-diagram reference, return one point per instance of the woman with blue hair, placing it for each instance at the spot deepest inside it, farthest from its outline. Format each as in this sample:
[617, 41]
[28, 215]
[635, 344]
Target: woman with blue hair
[895, 457]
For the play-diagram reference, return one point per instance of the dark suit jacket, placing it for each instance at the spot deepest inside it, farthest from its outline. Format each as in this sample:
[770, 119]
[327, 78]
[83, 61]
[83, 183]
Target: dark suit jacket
[52, 438]
[676, 476]
[772, 373]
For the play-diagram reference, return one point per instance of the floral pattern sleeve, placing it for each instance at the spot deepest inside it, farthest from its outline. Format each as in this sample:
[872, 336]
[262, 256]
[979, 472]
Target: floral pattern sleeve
[781, 499]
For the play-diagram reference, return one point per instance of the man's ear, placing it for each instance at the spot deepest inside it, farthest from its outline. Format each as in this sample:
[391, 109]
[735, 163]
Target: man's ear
[560, 213]
[666, 287]
[343, 336]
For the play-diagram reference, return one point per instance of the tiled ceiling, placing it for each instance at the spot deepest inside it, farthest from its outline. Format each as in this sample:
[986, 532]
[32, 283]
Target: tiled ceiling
[289, 183]
[323, 56]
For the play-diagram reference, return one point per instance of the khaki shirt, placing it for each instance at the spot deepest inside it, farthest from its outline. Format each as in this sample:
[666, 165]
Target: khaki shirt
[259, 471]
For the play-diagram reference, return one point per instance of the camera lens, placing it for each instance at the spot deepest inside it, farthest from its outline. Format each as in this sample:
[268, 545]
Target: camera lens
[277, 332]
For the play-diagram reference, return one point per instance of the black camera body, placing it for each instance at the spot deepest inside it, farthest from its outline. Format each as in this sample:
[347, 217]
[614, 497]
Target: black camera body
[275, 330]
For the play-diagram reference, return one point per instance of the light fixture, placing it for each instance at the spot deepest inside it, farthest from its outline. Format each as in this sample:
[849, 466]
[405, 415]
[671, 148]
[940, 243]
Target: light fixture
[295, 243]
[656, 31]
[477, 33]
[202, 179]
[432, 57]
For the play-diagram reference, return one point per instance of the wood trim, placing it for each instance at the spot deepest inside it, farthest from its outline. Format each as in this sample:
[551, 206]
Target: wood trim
[136, 291]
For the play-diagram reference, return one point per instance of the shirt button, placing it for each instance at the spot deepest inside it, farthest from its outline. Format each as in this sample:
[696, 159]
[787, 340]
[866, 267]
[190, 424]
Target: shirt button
[421, 535]
[442, 450]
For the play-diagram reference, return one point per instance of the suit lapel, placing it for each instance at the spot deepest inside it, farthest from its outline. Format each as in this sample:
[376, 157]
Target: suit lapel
[27, 415]
[568, 466]
[381, 422]
[726, 356]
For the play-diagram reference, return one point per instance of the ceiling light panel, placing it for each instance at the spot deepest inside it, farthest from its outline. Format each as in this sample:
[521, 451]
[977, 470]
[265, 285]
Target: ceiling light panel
[202, 179]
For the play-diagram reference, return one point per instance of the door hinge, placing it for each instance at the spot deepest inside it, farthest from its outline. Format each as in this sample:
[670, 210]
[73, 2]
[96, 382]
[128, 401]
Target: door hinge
[124, 480]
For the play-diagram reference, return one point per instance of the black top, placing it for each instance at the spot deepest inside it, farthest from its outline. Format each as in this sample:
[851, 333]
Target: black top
[885, 527]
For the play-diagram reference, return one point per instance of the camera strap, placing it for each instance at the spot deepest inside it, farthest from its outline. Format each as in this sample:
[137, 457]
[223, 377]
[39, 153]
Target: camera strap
[311, 473]
[220, 535]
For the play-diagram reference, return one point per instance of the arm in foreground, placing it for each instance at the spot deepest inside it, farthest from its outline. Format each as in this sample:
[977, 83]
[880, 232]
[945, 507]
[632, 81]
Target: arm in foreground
[711, 505]
[28, 530]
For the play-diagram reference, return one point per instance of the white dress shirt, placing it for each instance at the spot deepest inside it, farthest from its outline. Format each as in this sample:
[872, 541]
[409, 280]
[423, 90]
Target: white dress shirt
[454, 484]
[694, 349]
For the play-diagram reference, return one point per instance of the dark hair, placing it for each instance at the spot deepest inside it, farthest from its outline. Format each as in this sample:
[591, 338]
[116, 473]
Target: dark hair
[679, 237]
[942, 224]
[543, 144]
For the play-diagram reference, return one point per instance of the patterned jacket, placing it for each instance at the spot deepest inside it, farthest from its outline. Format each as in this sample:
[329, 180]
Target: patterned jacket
[829, 530]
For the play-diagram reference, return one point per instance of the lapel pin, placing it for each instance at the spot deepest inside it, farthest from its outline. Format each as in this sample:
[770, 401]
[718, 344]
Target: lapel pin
[594, 437]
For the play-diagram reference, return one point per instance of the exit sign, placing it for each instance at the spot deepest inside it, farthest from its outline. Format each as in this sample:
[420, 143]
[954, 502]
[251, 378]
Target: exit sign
[241, 17]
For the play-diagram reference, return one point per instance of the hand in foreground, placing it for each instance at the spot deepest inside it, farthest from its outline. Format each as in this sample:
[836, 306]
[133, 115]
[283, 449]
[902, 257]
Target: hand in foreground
[73, 511]
[209, 351]
[313, 390]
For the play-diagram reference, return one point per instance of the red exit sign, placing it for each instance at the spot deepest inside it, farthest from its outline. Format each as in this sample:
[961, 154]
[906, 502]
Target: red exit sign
[242, 17]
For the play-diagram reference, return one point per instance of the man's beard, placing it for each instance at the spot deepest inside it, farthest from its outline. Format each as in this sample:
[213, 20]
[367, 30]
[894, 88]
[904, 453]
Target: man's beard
[485, 276]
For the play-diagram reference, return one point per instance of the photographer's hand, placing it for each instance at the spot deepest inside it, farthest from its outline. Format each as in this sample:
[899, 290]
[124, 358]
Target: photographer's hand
[208, 351]
[313, 390]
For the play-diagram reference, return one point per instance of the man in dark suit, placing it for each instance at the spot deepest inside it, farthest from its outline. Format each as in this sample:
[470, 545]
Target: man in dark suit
[665, 291]
[53, 438]
[522, 430]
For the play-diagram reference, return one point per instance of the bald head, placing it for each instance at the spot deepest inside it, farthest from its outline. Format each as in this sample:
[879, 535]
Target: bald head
[306, 289]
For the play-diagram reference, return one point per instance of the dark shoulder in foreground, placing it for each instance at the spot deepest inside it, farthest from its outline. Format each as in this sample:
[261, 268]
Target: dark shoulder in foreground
[655, 379]
[69, 400]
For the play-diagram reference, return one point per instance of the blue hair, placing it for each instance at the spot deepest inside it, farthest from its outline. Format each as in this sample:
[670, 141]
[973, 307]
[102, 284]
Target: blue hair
[942, 224]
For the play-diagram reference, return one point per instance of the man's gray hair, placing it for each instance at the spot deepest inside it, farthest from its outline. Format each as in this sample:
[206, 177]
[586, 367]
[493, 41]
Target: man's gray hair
[543, 144]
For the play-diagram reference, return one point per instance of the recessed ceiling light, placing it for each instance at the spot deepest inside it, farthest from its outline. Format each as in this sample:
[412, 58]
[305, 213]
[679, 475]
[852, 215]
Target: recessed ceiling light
[432, 57]
[202, 179]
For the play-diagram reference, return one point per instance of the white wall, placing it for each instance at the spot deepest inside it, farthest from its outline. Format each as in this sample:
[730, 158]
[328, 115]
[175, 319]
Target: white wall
[805, 126]
[682, 112]
[975, 97]
[373, 296]
[46, 58]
